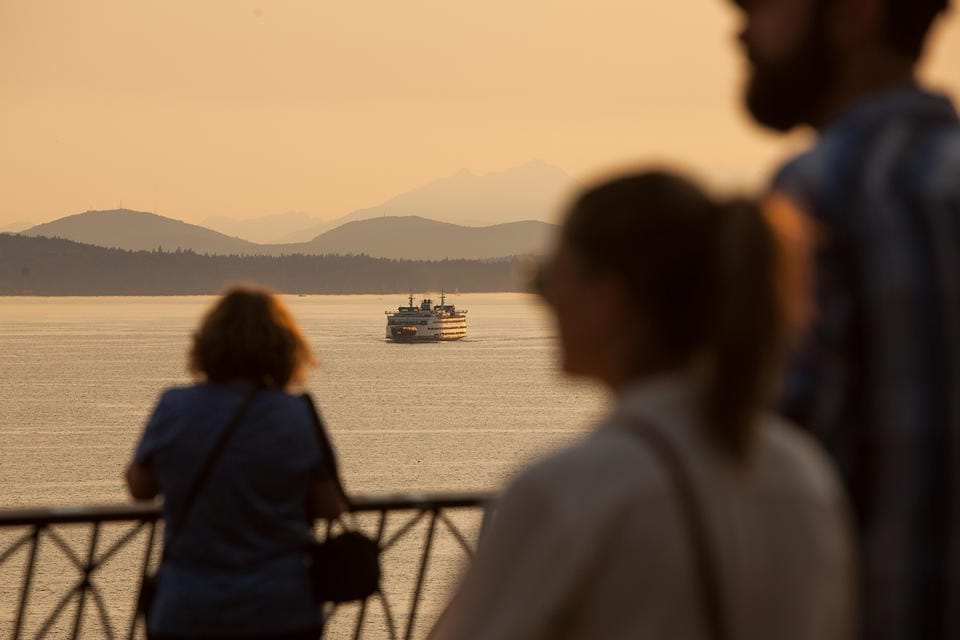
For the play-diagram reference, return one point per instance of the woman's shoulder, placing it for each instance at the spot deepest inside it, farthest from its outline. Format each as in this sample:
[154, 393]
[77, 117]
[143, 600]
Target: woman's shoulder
[600, 455]
[214, 390]
[602, 472]
[293, 406]
[615, 465]
[179, 395]
[198, 392]
[792, 458]
[206, 394]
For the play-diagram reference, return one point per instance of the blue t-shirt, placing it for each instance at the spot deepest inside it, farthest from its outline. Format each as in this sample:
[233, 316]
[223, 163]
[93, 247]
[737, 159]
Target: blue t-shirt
[237, 566]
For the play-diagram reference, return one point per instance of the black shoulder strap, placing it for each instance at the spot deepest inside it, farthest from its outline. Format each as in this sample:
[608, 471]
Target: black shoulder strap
[204, 473]
[705, 562]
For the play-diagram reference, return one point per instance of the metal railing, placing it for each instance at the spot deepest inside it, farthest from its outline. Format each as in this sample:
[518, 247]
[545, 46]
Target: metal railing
[75, 572]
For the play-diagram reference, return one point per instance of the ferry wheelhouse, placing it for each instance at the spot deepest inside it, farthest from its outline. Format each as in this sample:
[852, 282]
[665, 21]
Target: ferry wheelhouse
[426, 322]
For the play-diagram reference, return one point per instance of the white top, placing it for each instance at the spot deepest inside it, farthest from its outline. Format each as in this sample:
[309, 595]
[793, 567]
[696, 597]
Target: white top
[591, 542]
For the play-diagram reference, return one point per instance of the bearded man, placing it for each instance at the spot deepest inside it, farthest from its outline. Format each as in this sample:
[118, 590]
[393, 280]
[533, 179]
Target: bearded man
[877, 377]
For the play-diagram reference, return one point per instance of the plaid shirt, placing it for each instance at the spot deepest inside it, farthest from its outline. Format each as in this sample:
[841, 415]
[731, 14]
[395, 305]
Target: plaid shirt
[877, 378]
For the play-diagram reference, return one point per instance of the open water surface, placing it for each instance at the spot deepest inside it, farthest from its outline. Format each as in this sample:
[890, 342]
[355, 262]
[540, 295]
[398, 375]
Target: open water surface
[79, 376]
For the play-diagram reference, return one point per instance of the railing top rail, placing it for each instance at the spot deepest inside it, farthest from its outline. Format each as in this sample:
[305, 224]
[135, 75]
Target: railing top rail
[80, 513]
[151, 510]
[440, 500]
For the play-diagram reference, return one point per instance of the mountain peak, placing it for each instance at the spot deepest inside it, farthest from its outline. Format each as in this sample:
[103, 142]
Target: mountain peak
[534, 190]
[540, 167]
[136, 230]
[416, 237]
[121, 212]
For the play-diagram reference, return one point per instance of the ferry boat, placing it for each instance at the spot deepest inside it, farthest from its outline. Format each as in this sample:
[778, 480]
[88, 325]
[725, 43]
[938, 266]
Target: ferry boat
[427, 322]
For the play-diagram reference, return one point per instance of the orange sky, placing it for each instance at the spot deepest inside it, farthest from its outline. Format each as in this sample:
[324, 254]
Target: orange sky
[246, 108]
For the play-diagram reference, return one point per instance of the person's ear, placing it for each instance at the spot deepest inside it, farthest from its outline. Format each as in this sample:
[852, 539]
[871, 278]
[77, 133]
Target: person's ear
[854, 22]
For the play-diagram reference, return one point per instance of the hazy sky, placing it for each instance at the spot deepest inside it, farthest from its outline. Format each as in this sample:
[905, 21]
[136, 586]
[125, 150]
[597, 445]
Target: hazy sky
[245, 108]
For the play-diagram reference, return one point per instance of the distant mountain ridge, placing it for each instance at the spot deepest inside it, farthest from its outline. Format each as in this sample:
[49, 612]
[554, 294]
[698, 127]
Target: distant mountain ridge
[139, 230]
[410, 237]
[465, 215]
[532, 191]
[416, 238]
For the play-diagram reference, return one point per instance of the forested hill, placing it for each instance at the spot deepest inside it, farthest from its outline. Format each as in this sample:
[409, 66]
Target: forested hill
[53, 267]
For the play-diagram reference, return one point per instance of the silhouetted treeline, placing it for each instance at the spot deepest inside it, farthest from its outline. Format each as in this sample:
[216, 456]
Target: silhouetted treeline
[51, 266]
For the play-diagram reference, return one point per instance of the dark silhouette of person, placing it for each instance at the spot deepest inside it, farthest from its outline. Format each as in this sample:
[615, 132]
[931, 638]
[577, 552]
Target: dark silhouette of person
[235, 565]
[877, 377]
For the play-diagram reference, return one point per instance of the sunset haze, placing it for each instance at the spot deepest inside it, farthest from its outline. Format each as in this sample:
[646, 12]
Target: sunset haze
[244, 109]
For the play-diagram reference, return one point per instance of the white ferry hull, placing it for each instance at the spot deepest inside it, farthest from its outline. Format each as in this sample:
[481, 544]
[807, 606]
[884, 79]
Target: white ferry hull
[424, 338]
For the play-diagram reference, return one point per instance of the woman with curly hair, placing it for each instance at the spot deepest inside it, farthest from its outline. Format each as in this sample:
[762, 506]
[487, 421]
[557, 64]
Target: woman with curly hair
[237, 459]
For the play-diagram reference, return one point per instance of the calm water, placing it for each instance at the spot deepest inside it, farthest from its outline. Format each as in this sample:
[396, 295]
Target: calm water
[80, 375]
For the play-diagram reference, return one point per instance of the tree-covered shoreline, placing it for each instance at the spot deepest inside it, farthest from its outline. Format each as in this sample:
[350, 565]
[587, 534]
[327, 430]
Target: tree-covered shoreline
[57, 267]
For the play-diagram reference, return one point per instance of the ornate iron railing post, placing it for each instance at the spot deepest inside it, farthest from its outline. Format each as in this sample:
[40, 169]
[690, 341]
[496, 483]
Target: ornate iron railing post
[27, 581]
[144, 570]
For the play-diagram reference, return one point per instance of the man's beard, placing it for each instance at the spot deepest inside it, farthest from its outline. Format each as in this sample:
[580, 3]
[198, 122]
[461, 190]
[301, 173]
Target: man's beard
[791, 92]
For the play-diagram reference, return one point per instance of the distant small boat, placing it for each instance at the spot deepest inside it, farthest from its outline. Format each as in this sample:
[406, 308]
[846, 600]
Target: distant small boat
[427, 322]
